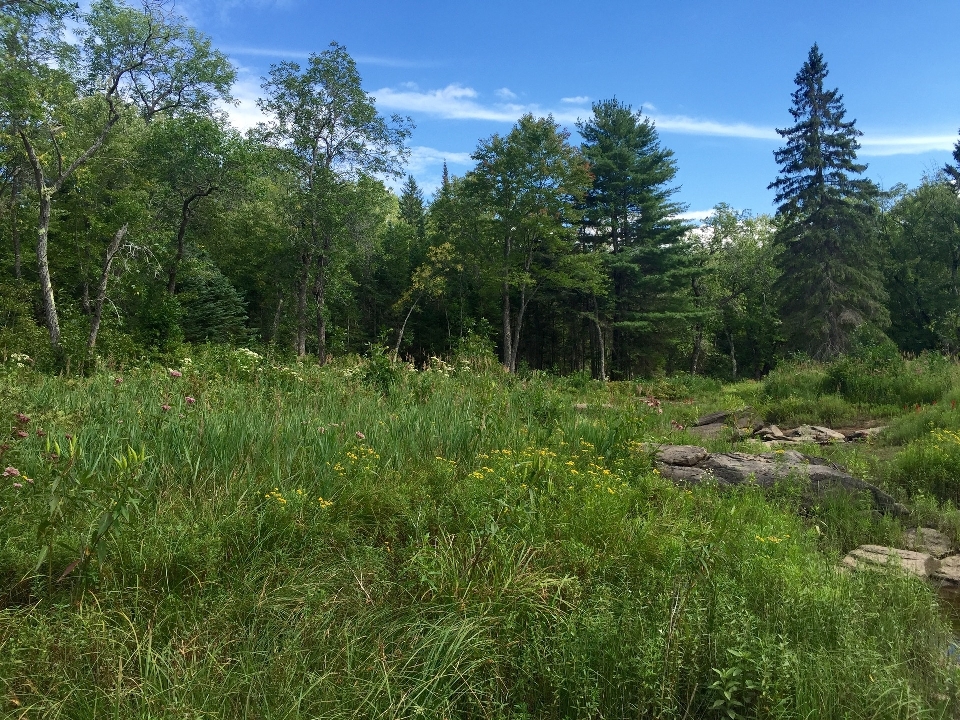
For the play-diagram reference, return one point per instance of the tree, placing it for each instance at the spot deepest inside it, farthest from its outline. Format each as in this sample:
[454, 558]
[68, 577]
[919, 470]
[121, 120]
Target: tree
[145, 60]
[630, 217]
[190, 158]
[953, 171]
[921, 233]
[333, 133]
[830, 282]
[735, 290]
[527, 184]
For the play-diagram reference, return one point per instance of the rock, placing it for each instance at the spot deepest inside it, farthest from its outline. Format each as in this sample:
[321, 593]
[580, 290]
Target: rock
[865, 433]
[682, 455]
[831, 435]
[948, 575]
[691, 464]
[928, 540]
[916, 563]
[770, 432]
[709, 432]
[815, 434]
[713, 418]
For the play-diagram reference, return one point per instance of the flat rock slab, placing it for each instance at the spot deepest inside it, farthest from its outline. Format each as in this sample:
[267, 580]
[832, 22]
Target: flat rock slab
[711, 431]
[815, 434]
[691, 464]
[948, 574]
[877, 556]
[928, 540]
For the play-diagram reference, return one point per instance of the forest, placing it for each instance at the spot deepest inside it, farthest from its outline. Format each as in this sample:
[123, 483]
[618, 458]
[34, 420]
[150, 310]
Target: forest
[136, 218]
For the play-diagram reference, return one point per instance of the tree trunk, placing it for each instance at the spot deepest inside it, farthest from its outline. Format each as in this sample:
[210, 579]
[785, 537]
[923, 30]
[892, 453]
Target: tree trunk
[733, 355]
[50, 316]
[185, 213]
[274, 327]
[301, 342]
[697, 349]
[515, 345]
[319, 292]
[396, 348]
[507, 334]
[112, 250]
[603, 348]
[14, 228]
[178, 256]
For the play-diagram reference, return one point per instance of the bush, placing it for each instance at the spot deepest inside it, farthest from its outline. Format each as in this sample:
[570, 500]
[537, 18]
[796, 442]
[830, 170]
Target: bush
[931, 466]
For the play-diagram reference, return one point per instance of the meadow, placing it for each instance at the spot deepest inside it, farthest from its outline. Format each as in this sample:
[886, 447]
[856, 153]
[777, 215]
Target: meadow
[229, 536]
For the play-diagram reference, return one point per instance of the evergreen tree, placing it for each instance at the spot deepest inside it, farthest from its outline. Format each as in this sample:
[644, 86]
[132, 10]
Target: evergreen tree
[954, 170]
[629, 214]
[830, 282]
[412, 209]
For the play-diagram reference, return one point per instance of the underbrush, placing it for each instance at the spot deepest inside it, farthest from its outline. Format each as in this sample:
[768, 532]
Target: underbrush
[294, 541]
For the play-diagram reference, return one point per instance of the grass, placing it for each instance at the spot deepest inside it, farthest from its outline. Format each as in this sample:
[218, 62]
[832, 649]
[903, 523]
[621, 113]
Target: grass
[354, 541]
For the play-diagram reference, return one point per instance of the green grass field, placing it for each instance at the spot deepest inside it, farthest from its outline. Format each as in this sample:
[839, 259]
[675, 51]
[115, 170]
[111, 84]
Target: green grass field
[250, 540]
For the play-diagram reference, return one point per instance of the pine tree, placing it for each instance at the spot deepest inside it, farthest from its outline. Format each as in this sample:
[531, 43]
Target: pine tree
[630, 215]
[830, 282]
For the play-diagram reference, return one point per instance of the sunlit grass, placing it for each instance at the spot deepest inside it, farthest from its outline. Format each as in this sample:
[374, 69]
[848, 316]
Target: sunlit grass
[329, 542]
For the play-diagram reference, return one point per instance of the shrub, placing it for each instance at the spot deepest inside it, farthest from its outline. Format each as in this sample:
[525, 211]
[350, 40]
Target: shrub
[931, 466]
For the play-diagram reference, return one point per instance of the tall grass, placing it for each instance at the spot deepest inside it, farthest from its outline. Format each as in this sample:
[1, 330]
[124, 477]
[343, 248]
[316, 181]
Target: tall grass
[316, 542]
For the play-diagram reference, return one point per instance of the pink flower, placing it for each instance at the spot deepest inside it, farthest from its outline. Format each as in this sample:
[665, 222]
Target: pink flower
[117, 380]
[165, 408]
[176, 374]
[361, 436]
[41, 433]
[22, 434]
[68, 436]
[190, 400]
[22, 419]
[11, 472]
[18, 485]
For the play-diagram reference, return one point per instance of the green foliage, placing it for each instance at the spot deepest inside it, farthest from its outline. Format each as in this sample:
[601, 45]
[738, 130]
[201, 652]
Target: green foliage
[930, 466]
[630, 216]
[465, 545]
[212, 309]
[830, 281]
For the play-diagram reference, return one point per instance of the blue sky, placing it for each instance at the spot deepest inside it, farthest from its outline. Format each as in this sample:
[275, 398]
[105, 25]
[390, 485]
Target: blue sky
[715, 76]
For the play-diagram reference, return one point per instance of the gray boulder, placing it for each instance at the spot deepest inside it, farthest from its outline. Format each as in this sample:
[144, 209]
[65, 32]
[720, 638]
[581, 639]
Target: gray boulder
[692, 464]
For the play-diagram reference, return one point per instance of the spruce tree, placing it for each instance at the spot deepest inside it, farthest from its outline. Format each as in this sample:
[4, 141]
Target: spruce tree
[630, 215]
[830, 282]
[954, 170]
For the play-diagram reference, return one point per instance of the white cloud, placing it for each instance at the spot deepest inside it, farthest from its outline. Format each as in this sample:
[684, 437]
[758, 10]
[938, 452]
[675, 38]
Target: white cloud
[245, 114]
[457, 102]
[424, 158]
[506, 94]
[695, 214]
[905, 144]
[287, 53]
[577, 100]
[454, 102]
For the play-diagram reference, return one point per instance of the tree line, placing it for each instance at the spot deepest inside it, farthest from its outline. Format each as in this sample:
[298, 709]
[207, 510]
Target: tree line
[137, 218]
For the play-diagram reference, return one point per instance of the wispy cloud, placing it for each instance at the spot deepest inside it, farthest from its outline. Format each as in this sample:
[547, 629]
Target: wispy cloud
[424, 158]
[457, 102]
[454, 102]
[576, 100]
[696, 214]
[292, 54]
[506, 94]
[877, 145]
